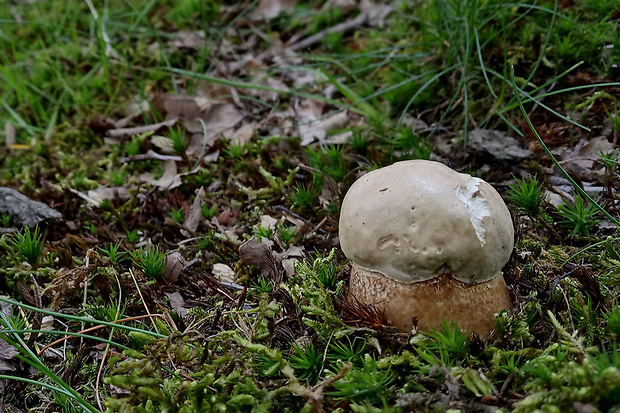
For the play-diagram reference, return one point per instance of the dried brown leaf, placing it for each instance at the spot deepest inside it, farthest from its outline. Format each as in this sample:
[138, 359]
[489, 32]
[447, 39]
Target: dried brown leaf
[170, 180]
[218, 118]
[189, 40]
[104, 192]
[223, 273]
[176, 106]
[194, 217]
[580, 160]
[174, 266]
[177, 303]
[253, 252]
[307, 111]
[270, 9]
[497, 143]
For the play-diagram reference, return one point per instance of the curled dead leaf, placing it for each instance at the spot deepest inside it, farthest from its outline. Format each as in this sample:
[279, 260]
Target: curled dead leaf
[174, 266]
[223, 273]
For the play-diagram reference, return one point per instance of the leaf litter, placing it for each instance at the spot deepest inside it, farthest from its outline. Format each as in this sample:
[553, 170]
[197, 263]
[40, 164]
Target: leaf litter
[247, 268]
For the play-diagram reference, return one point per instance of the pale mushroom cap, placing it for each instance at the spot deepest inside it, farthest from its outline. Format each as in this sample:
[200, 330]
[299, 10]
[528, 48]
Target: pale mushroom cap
[417, 220]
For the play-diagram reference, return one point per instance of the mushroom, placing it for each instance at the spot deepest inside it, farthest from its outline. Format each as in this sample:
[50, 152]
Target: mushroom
[428, 242]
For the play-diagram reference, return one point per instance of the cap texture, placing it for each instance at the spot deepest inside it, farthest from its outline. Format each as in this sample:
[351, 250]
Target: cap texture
[418, 220]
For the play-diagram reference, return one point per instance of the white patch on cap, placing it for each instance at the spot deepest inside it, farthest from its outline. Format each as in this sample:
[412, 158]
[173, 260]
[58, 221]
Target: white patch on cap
[476, 205]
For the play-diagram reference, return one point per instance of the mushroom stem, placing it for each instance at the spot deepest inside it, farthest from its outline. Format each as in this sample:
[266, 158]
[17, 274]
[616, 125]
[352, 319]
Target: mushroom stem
[445, 297]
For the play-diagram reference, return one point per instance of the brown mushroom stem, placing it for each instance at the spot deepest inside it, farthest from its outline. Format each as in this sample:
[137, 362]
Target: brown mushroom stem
[444, 297]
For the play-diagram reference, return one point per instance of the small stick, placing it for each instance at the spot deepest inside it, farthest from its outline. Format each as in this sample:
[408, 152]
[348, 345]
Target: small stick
[134, 318]
[142, 299]
[341, 27]
[150, 155]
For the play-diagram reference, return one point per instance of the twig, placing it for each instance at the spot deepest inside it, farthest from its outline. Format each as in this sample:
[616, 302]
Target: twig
[287, 211]
[140, 129]
[361, 19]
[316, 394]
[97, 327]
[142, 299]
[150, 155]
[320, 224]
[510, 377]
[167, 317]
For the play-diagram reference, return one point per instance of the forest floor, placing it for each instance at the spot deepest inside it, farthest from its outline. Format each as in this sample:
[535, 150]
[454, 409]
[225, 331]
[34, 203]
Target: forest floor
[187, 162]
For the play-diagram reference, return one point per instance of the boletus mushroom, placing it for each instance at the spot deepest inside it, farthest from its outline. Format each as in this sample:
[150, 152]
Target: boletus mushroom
[428, 242]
